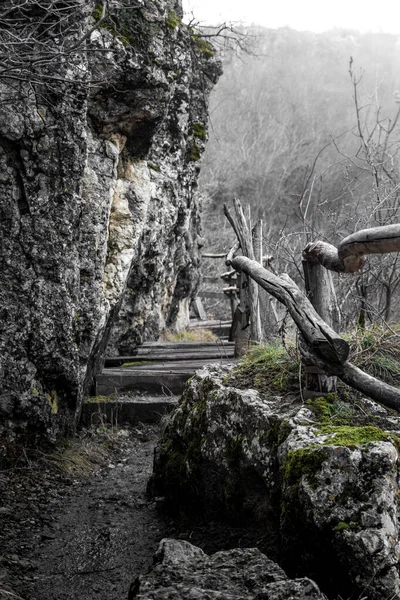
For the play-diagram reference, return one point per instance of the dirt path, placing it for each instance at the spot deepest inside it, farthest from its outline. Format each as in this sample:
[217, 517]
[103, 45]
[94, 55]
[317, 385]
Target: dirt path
[81, 538]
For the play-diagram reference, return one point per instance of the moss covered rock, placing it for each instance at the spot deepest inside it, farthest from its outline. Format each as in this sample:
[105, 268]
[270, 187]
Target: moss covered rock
[320, 480]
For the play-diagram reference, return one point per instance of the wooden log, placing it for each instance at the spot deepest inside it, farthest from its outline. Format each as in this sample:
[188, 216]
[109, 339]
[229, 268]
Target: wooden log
[349, 256]
[319, 343]
[356, 378]
[324, 254]
[322, 338]
[376, 240]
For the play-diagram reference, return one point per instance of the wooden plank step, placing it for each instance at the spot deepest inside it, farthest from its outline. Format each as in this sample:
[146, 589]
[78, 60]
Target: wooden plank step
[148, 357]
[130, 410]
[208, 324]
[155, 382]
[155, 378]
[186, 345]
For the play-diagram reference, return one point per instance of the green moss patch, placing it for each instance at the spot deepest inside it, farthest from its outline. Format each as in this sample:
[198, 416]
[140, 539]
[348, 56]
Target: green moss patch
[199, 130]
[347, 435]
[202, 46]
[270, 369]
[172, 20]
[195, 153]
[303, 462]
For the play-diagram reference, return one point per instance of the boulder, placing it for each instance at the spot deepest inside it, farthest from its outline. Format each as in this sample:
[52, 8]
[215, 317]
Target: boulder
[183, 572]
[320, 479]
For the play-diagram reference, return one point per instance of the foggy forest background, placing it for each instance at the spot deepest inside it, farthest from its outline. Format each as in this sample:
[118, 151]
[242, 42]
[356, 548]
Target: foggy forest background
[306, 133]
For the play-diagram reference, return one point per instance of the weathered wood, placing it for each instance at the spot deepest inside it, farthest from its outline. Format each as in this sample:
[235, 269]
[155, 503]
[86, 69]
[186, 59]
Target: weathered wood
[349, 256]
[231, 274]
[211, 324]
[321, 293]
[325, 255]
[244, 235]
[322, 338]
[257, 234]
[231, 253]
[376, 240]
[370, 386]
[382, 392]
[215, 354]
[207, 294]
[240, 332]
[199, 308]
[211, 255]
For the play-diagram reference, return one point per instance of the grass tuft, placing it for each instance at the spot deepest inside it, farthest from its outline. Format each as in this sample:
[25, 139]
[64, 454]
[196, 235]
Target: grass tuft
[269, 368]
[376, 350]
[75, 457]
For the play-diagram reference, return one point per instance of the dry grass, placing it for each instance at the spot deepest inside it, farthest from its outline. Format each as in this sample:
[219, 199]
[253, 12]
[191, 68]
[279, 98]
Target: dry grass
[78, 457]
[376, 350]
[197, 334]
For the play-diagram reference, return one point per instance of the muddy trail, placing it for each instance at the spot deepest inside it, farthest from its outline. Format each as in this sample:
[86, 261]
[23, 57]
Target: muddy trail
[77, 523]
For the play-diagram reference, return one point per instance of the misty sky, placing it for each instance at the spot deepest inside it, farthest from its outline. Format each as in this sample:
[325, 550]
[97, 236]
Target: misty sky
[313, 15]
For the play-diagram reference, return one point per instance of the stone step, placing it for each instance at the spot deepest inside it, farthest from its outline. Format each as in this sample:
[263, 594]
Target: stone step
[126, 410]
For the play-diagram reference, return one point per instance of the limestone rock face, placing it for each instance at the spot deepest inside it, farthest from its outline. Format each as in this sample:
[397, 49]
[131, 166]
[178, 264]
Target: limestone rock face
[328, 495]
[98, 213]
[183, 572]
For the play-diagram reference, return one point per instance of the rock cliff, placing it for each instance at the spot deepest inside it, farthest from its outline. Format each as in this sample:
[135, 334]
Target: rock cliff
[320, 479]
[100, 139]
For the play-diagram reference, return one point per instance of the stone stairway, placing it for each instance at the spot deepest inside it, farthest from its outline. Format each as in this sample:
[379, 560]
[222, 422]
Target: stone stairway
[144, 386]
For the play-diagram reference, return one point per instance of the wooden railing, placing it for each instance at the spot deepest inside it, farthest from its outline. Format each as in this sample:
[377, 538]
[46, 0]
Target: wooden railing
[320, 345]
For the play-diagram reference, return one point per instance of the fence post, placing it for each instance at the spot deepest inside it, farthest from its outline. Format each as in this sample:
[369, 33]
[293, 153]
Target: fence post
[249, 309]
[321, 293]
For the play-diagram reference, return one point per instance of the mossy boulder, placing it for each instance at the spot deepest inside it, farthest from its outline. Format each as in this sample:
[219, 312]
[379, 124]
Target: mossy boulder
[319, 480]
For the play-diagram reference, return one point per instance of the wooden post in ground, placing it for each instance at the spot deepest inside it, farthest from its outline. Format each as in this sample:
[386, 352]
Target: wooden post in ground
[249, 290]
[240, 330]
[321, 293]
[257, 234]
